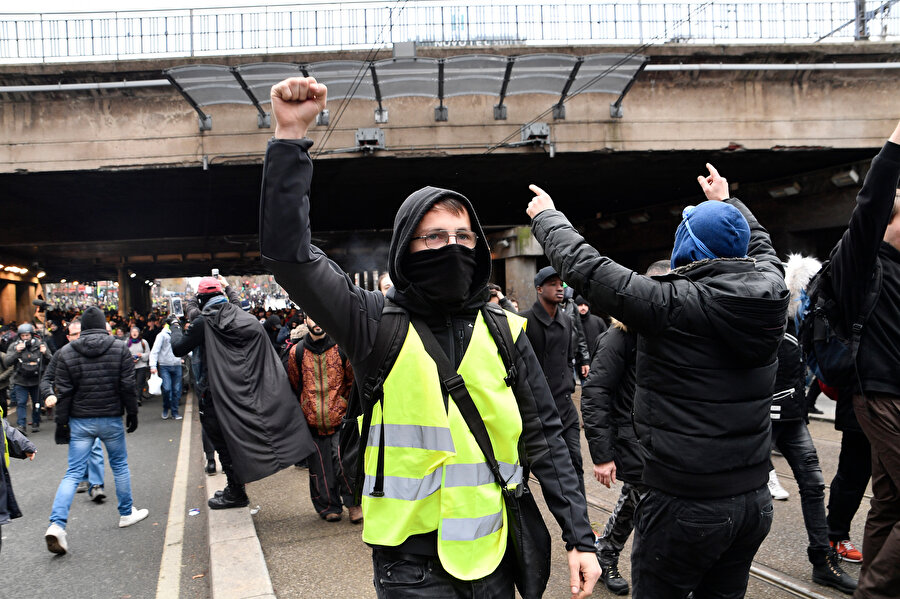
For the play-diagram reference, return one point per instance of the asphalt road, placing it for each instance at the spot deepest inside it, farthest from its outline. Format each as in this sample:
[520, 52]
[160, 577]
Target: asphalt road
[105, 561]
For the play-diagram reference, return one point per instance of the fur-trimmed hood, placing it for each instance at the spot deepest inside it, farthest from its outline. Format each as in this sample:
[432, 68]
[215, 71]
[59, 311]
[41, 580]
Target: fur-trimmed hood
[798, 271]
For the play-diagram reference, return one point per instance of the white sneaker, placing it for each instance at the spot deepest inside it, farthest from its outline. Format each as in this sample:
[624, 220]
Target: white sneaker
[56, 539]
[775, 487]
[133, 518]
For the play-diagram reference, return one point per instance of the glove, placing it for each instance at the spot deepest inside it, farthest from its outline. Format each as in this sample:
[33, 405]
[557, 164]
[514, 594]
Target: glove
[172, 320]
[130, 423]
[62, 434]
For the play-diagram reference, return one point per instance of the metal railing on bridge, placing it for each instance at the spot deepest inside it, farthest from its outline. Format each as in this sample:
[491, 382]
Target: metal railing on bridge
[357, 25]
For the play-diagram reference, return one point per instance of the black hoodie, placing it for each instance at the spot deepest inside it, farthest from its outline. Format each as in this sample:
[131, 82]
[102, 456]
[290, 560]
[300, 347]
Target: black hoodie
[351, 314]
[94, 378]
[708, 336]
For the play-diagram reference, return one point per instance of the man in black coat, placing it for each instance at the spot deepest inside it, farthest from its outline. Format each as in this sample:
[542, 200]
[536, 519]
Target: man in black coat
[550, 332]
[708, 336]
[94, 386]
[872, 241]
[592, 325]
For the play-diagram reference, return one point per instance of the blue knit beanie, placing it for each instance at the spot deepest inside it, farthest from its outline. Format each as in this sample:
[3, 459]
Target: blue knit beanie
[710, 230]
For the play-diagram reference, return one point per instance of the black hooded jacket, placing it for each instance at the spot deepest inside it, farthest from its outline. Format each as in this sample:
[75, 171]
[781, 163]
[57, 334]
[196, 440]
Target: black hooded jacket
[94, 378]
[351, 315]
[708, 336]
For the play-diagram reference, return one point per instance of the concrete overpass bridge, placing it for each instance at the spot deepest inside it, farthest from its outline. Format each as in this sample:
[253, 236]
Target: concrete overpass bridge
[105, 169]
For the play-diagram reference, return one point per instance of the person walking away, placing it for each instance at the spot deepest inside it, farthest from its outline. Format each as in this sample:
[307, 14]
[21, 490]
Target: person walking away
[29, 356]
[168, 365]
[708, 336]
[440, 265]
[92, 482]
[321, 376]
[95, 386]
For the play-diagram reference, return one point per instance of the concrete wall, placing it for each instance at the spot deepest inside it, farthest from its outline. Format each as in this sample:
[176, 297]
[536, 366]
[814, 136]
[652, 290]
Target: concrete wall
[663, 111]
[15, 300]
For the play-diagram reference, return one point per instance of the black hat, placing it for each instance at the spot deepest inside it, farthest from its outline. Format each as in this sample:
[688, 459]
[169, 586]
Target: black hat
[579, 299]
[93, 319]
[543, 274]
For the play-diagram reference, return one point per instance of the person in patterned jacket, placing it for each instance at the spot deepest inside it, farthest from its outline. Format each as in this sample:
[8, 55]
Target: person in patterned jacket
[321, 376]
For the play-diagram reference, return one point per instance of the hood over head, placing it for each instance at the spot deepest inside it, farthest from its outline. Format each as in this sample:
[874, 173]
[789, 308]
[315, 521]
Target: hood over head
[405, 292]
[798, 271]
[94, 342]
[710, 230]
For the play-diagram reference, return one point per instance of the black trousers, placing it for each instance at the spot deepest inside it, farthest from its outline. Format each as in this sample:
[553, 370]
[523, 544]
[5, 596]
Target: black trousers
[213, 432]
[140, 381]
[329, 488]
[620, 524]
[704, 546]
[402, 576]
[849, 484]
[572, 436]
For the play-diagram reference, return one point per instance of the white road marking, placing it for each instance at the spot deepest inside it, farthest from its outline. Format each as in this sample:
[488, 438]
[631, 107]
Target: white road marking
[169, 583]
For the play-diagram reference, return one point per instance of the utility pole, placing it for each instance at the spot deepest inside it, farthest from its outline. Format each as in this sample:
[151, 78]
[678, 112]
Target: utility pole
[861, 30]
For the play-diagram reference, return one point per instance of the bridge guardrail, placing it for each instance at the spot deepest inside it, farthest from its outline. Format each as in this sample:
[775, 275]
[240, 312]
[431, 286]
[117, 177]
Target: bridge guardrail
[363, 25]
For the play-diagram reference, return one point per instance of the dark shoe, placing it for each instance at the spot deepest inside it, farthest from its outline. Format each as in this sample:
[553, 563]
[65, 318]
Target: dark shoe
[35, 428]
[211, 467]
[828, 572]
[815, 410]
[22, 430]
[97, 495]
[332, 517]
[83, 487]
[613, 580]
[228, 499]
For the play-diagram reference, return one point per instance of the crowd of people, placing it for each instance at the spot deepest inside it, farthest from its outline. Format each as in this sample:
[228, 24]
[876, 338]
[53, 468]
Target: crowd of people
[423, 406]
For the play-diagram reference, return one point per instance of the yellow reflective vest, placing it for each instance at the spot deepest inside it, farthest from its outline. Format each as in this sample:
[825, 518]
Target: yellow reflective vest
[435, 475]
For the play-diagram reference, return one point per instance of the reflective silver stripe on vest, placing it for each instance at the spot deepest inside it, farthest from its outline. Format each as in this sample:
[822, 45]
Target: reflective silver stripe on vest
[469, 529]
[408, 489]
[435, 438]
[473, 475]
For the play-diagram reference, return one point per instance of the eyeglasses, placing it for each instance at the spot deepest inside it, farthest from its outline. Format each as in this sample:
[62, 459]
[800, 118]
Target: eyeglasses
[438, 238]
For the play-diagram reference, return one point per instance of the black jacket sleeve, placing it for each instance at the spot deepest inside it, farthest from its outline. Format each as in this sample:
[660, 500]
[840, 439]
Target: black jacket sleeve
[349, 313]
[185, 340]
[649, 305]
[47, 379]
[233, 296]
[65, 391]
[853, 262]
[547, 454]
[582, 354]
[127, 389]
[599, 392]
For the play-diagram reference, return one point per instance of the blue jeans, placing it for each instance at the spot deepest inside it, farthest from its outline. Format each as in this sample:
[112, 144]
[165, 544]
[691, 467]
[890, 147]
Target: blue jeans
[94, 472]
[20, 394]
[171, 388]
[84, 431]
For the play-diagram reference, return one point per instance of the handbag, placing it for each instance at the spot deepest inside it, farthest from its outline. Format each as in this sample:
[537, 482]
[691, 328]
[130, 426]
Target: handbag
[527, 534]
[154, 384]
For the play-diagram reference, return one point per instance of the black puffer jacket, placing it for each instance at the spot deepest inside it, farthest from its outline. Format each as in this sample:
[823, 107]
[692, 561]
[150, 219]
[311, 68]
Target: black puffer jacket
[351, 315]
[94, 378]
[607, 400]
[789, 398]
[708, 336]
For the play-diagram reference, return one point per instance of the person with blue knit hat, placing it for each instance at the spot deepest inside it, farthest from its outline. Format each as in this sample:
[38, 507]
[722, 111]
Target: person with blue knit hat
[707, 344]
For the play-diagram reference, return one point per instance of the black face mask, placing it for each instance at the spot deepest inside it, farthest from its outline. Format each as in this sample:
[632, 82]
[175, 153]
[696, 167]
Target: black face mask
[442, 276]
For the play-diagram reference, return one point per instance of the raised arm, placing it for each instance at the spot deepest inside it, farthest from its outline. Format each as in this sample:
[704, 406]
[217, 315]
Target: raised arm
[349, 314]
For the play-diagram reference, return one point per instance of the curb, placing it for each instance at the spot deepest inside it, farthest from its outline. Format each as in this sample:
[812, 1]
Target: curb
[237, 567]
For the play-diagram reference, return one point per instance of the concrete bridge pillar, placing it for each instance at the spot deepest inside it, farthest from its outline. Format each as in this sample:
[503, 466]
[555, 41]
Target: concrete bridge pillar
[16, 296]
[519, 252]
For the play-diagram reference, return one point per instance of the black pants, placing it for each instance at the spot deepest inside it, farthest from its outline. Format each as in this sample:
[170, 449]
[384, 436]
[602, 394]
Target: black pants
[701, 545]
[849, 484]
[140, 381]
[572, 436]
[209, 450]
[328, 487]
[210, 424]
[620, 524]
[402, 576]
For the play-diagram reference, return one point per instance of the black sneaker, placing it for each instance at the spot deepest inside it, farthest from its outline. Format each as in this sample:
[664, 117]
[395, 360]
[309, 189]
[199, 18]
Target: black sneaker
[35, 428]
[229, 499]
[210, 467]
[829, 573]
[815, 410]
[97, 494]
[613, 580]
[22, 430]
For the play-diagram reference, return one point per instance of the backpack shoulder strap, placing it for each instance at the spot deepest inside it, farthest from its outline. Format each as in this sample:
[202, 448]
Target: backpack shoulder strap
[498, 325]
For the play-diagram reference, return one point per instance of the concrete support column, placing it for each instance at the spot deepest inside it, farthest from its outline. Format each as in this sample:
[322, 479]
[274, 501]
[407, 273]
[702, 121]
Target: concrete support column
[124, 291]
[520, 273]
[140, 296]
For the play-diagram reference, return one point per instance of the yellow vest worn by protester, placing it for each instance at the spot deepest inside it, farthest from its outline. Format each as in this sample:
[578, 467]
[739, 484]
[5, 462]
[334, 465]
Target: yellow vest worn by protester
[5, 442]
[435, 475]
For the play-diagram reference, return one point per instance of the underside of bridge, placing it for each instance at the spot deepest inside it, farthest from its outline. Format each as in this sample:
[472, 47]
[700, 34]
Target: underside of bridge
[162, 222]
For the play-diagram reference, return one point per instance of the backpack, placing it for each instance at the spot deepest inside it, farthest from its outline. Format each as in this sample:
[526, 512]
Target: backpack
[829, 348]
[29, 362]
[363, 396]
